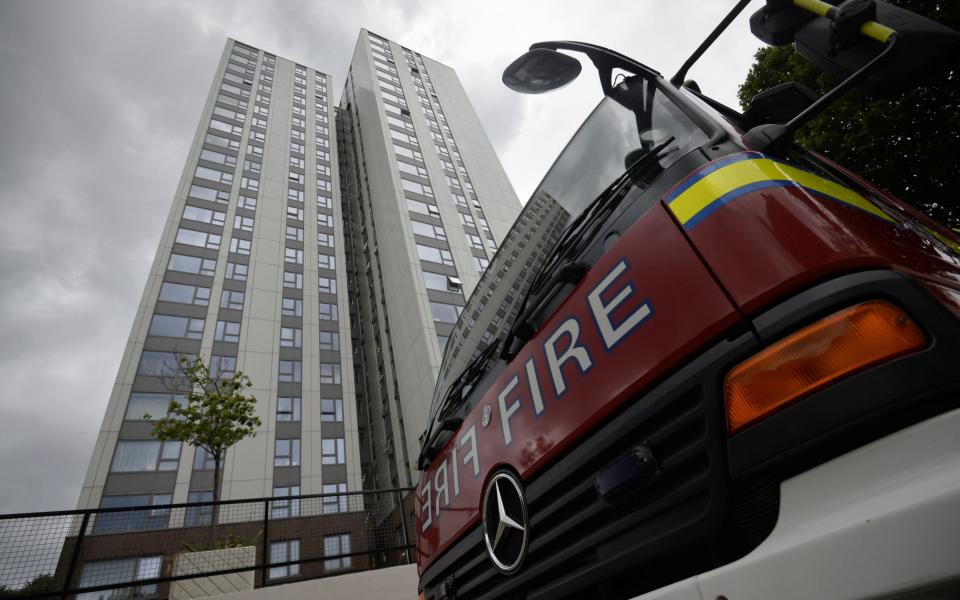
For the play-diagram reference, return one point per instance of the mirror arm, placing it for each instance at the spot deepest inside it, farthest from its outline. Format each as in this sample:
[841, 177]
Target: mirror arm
[603, 59]
[776, 139]
[834, 94]
[677, 80]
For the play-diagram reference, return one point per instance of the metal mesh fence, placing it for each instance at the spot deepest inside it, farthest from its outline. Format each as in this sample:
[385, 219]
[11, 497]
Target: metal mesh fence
[197, 549]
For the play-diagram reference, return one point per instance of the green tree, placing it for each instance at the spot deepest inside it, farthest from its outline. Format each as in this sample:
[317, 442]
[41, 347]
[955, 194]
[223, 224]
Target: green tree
[907, 143]
[215, 416]
[38, 585]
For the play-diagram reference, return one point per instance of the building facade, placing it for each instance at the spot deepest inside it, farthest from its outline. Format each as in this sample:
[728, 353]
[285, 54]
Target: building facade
[427, 202]
[250, 274]
[325, 257]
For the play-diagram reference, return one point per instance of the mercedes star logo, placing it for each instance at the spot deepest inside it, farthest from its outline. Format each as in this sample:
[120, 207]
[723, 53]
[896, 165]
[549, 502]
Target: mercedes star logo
[505, 523]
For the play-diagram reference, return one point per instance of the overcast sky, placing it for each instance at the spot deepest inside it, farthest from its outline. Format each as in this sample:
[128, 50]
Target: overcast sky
[99, 101]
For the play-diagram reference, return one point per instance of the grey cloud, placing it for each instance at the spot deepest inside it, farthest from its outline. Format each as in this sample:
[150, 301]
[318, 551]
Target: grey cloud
[98, 103]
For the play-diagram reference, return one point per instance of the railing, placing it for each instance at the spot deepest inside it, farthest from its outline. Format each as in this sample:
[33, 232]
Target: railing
[187, 550]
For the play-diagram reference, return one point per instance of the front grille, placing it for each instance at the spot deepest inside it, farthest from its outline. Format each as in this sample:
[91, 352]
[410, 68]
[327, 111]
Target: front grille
[580, 541]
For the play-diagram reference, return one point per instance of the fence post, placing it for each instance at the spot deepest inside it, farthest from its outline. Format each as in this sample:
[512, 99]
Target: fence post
[403, 525]
[75, 555]
[266, 543]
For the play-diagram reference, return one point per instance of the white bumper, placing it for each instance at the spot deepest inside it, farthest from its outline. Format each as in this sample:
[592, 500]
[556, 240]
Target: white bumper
[880, 521]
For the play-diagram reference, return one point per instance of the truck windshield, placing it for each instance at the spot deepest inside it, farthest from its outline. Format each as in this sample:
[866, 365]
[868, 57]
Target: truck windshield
[636, 117]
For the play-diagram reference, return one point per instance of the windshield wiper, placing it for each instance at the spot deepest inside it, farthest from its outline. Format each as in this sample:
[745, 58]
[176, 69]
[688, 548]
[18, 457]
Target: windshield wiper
[456, 393]
[574, 239]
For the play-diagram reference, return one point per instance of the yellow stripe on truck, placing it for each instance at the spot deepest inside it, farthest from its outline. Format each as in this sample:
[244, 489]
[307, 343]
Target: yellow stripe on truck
[715, 186]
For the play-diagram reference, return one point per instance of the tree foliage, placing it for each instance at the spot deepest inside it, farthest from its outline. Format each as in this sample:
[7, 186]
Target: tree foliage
[39, 584]
[215, 416]
[907, 143]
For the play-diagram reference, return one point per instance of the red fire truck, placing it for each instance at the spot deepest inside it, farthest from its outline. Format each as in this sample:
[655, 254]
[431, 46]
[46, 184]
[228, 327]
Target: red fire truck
[706, 362]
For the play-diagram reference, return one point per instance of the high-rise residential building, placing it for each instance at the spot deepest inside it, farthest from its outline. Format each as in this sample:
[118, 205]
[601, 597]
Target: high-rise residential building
[250, 274]
[426, 202]
[327, 258]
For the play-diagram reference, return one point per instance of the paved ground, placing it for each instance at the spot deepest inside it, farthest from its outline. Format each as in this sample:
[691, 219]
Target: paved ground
[398, 583]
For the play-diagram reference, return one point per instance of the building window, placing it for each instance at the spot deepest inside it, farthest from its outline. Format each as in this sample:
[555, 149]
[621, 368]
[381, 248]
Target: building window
[295, 196]
[192, 264]
[283, 509]
[331, 410]
[286, 453]
[240, 246]
[195, 516]
[293, 255]
[442, 342]
[176, 327]
[203, 215]
[330, 340]
[218, 157]
[200, 239]
[288, 409]
[203, 460]
[223, 367]
[243, 223]
[445, 313]
[325, 240]
[293, 280]
[437, 255]
[281, 552]
[328, 312]
[145, 456]
[324, 202]
[412, 169]
[136, 520]
[330, 373]
[326, 261]
[480, 264]
[247, 202]
[335, 504]
[159, 364]
[107, 572]
[416, 187]
[426, 229]
[291, 371]
[336, 545]
[213, 175]
[441, 283]
[236, 271]
[327, 285]
[227, 331]
[184, 294]
[333, 451]
[232, 299]
[140, 404]
[290, 337]
[325, 220]
[423, 208]
[295, 212]
[292, 307]
[294, 233]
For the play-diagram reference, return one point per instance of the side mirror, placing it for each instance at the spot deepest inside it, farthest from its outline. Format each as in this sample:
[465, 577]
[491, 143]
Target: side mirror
[922, 44]
[779, 104]
[541, 70]
[833, 41]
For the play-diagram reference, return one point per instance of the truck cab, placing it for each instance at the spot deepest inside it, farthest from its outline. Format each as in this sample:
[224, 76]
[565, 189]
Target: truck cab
[699, 364]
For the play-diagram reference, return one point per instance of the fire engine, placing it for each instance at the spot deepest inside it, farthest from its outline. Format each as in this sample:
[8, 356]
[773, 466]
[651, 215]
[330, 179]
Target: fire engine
[706, 362]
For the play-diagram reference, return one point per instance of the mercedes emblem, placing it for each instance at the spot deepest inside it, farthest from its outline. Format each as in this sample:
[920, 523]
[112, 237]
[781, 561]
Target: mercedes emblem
[506, 527]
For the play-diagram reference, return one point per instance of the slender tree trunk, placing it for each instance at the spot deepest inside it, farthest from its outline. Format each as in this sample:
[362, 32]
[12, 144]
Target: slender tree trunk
[215, 513]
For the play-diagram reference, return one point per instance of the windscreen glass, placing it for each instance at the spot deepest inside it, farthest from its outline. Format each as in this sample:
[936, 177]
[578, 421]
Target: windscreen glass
[636, 117]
